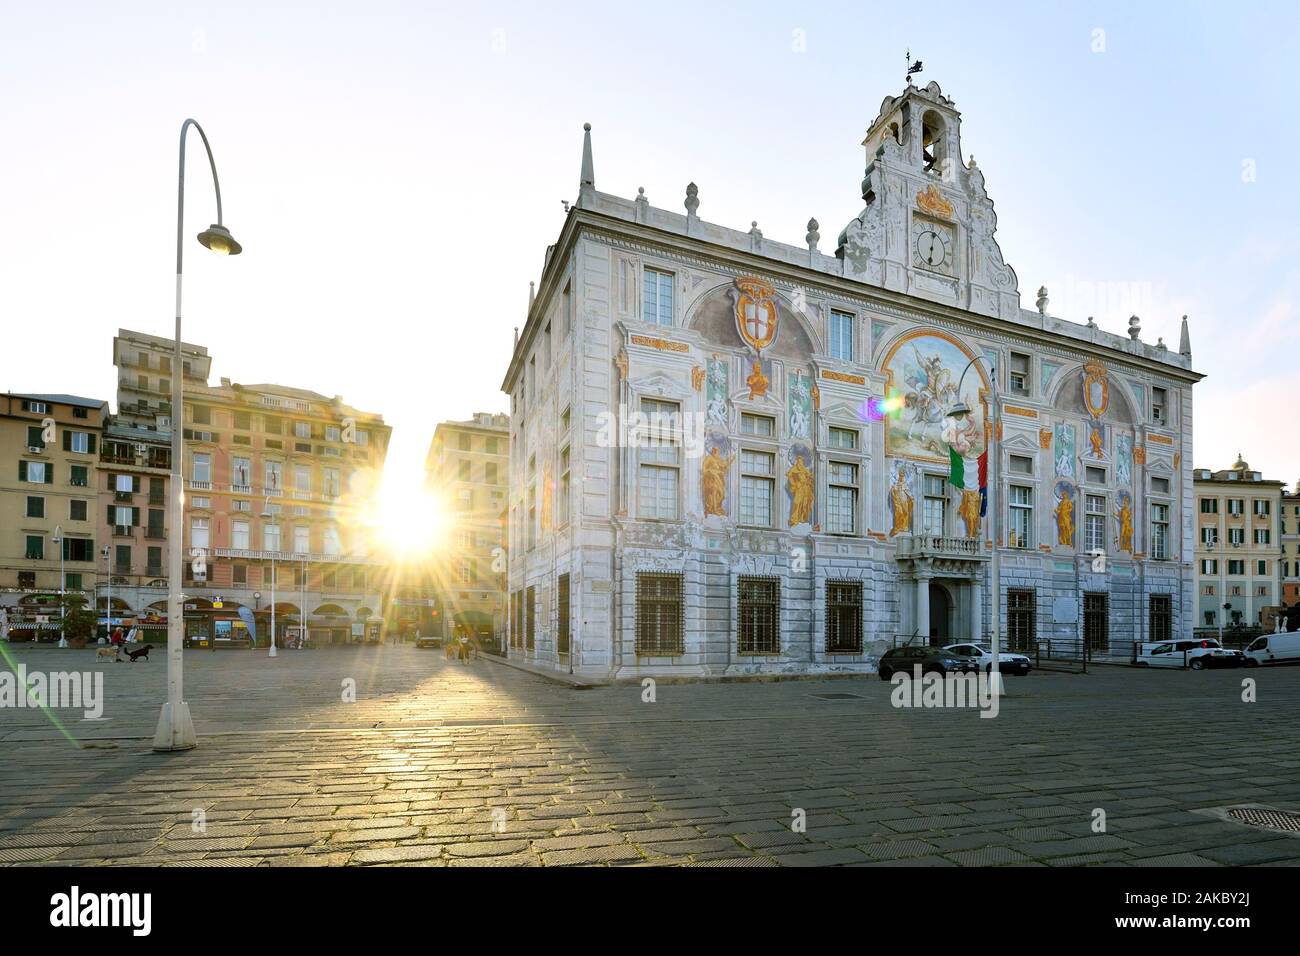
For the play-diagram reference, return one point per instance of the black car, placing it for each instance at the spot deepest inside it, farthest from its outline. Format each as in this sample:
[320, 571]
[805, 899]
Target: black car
[932, 660]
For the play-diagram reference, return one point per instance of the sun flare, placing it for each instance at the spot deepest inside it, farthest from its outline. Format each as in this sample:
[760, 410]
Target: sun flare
[408, 520]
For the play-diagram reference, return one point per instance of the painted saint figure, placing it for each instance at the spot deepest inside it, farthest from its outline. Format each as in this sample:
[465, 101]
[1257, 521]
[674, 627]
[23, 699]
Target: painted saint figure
[1065, 520]
[713, 482]
[799, 481]
[900, 499]
[1125, 519]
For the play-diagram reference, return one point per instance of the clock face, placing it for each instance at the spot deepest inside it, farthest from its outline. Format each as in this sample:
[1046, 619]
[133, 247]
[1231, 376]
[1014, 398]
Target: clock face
[934, 246]
[930, 248]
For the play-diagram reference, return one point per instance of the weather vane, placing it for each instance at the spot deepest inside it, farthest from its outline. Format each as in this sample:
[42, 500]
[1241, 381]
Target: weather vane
[912, 67]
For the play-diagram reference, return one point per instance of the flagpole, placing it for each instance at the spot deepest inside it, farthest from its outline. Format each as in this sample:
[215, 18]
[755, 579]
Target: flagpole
[960, 411]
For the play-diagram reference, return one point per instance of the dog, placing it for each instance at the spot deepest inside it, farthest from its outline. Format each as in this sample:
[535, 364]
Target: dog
[107, 654]
[451, 649]
[136, 655]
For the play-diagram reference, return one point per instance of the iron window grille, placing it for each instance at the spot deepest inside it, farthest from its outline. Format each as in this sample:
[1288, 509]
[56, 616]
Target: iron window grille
[660, 627]
[562, 612]
[759, 617]
[843, 617]
[1161, 614]
[530, 610]
[1096, 621]
[1020, 620]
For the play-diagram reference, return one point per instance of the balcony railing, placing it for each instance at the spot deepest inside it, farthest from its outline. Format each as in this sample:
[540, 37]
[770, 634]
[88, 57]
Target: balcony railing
[939, 546]
[196, 485]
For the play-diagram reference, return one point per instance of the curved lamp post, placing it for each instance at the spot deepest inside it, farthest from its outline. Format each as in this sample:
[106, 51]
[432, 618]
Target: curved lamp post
[175, 728]
[961, 411]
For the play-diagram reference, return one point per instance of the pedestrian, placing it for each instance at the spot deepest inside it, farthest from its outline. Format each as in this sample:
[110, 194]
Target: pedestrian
[1293, 617]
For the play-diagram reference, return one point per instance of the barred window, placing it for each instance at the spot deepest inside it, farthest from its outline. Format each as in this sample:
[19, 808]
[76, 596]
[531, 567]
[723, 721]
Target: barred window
[1020, 619]
[562, 611]
[530, 610]
[843, 617]
[1096, 620]
[1161, 614]
[659, 628]
[759, 604]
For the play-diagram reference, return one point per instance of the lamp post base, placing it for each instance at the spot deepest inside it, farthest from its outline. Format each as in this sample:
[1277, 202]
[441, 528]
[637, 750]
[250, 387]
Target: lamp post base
[175, 730]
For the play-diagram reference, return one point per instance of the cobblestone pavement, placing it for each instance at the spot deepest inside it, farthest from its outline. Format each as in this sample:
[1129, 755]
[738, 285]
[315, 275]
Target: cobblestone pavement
[439, 763]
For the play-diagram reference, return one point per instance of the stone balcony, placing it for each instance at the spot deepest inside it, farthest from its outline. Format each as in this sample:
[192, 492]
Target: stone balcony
[938, 546]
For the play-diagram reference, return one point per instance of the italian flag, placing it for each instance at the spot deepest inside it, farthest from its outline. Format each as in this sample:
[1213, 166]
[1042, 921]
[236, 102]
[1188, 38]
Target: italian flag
[962, 478]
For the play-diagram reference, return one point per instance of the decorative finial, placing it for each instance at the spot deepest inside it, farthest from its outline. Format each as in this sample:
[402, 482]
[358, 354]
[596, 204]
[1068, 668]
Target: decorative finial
[692, 203]
[587, 179]
[531, 294]
[1185, 341]
[1134, 327]
[1042, 300]
[813, 235]
[1160, 344]
[642, 205]
[755, 235]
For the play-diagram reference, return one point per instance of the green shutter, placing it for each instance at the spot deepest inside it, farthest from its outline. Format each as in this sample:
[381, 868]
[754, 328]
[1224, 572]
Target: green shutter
[135, 517]
[91, 445]
[22, 471]
[49, 473]
[67, 440]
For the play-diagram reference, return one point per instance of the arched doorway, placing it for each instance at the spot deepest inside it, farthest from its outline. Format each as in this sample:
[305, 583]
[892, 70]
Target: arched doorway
[940, 614]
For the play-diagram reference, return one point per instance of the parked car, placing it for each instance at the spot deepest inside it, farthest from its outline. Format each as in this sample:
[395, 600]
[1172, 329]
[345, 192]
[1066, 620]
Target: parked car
[932, 660]
[1008, 662]
[1196, 654]
[1274, 649]
[429, 640]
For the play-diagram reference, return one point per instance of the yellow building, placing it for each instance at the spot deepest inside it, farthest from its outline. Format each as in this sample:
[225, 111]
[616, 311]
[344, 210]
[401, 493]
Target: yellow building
[49, 445]
[466, 466]
[1238, 546]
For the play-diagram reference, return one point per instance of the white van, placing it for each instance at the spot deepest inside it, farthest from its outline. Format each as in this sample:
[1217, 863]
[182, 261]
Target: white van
[1196, 654]
[1274, 649]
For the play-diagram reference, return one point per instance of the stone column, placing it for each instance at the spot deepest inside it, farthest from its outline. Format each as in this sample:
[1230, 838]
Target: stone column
[977, 609]
[923, 606]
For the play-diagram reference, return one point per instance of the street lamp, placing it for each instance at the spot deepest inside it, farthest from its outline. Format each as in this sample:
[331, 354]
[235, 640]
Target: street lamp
[63, 593]
[108, 581]
[267, 513]
[175, 728]
[961, 411]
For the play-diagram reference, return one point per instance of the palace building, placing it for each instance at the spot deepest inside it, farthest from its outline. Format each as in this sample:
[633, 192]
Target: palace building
[729, 455]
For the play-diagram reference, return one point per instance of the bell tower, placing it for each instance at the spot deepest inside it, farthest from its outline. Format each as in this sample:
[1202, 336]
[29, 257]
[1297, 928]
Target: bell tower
[927, 228]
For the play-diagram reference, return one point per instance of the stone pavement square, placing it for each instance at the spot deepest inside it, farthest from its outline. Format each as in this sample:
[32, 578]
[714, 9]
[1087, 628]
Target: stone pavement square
[438, 763]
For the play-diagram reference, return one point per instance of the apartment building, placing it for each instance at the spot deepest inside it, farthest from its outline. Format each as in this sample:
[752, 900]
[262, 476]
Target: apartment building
[467, 466]
[269, 483]
[1290, 530]
[1238, 545]
[49, 445]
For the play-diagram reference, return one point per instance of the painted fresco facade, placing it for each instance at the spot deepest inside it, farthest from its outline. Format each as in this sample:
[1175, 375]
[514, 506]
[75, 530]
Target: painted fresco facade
[729, 455]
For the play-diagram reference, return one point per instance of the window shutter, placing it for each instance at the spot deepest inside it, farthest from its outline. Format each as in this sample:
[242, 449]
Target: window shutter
[22, 471]
[110, 515]
[135, 517]
[135, 484]
[91, 446]
[49, 473]
[67, 440]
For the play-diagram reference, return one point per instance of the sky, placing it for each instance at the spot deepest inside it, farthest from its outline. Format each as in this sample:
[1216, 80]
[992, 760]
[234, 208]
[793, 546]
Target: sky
[395, 172]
